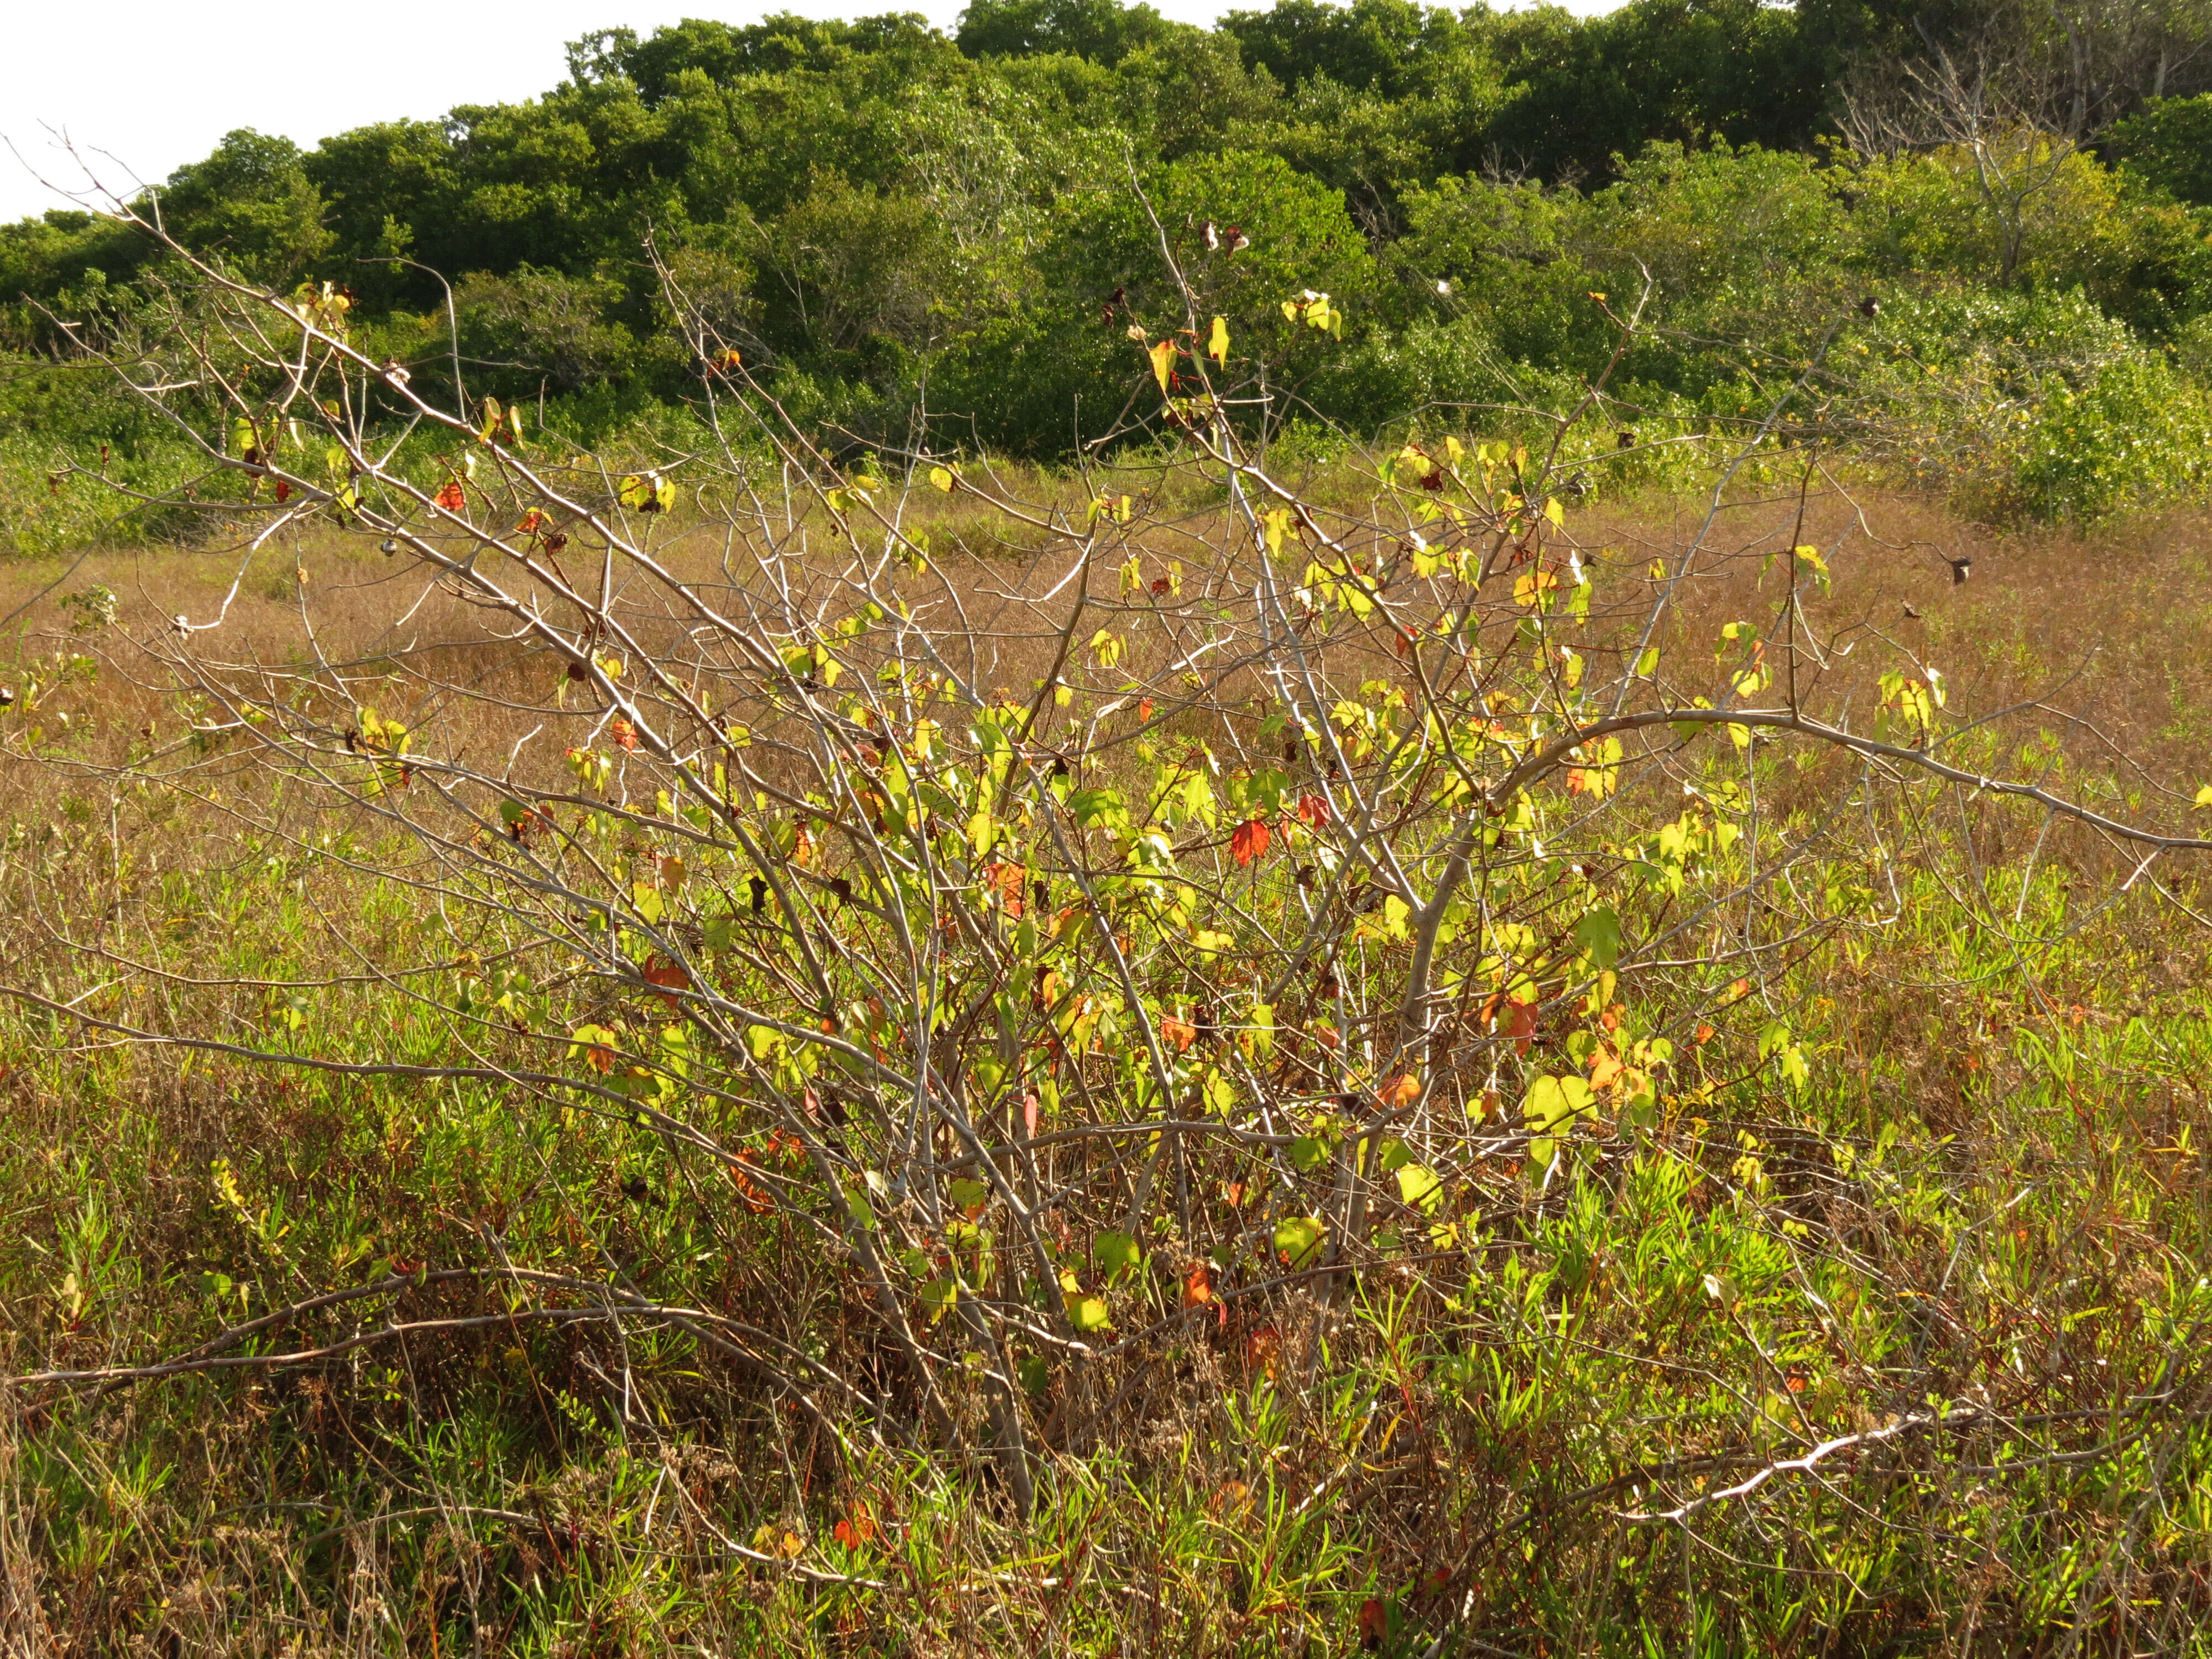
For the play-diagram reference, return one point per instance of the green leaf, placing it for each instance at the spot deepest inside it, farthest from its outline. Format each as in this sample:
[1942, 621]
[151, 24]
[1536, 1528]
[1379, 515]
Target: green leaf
[1554, 1101]
[1599, 934]
[1115, 1255]
[1299, 1238]
[1308, 1152]
[1420, 1187]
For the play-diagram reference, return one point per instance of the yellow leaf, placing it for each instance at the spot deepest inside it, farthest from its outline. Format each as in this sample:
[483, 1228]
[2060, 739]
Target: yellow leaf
[2205, 796]
[1531, 585]
[1163, 356]
[941, 477]
[1216, 346]
[642, 493]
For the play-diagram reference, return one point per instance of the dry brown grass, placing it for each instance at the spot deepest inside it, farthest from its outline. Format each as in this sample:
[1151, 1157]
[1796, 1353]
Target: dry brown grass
[2115, 658]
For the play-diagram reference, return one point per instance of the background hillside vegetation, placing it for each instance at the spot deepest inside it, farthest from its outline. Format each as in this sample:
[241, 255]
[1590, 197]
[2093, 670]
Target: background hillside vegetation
[931, 242]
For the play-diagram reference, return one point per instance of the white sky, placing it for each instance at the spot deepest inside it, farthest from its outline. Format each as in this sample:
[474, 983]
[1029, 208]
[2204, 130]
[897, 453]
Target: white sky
[157, 85]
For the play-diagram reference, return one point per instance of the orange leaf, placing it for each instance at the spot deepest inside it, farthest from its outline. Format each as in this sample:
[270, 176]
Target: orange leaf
[1177, 1033]
[756, 1196]
[857, 1529]
[1705, 1035]
[624, 734]
[452, 497]
[1605, 1068]
[1248, 842]
[1006, 880]
[1030, 1106]
[1401, 1090]
[1144, 710]
[1197, 1287]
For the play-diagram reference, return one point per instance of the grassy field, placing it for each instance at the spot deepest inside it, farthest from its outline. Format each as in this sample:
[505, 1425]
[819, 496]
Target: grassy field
[1900, 1350]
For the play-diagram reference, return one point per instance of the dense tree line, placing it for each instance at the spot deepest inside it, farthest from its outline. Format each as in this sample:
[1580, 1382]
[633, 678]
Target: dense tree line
[883, 220]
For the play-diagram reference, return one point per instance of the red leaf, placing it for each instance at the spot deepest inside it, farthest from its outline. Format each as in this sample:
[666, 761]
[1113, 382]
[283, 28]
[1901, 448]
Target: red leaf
[1030, 1106]
[283, 490]
[663, 972]
[452, 497]
[1313, 810]
[1249, 842]
[1520, 1025]
[1374, 1623]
